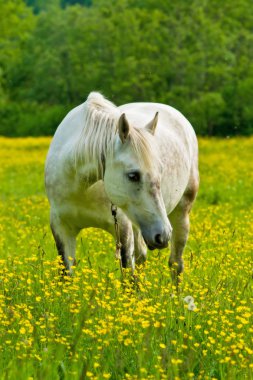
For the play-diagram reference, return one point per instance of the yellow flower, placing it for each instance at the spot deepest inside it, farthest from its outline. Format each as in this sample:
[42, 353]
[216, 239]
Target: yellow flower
[145, 324]
[176, 361]
[22, 330]
[106, 375]
[128, 341]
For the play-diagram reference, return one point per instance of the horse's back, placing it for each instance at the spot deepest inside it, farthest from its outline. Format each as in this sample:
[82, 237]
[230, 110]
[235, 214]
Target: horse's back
[69, 129]
[173, 128]
[59, 168]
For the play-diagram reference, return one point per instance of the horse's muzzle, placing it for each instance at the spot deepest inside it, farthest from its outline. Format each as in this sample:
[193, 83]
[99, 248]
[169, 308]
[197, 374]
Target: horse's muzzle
[159, 241]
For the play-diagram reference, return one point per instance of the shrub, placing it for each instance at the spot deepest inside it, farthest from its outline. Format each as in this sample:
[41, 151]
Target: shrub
[30, 119]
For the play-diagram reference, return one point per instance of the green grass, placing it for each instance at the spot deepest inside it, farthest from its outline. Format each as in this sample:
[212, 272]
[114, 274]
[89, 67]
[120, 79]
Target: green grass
[96, 326]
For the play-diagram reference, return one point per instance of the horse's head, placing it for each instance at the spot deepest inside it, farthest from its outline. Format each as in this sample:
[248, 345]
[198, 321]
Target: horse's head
[132, 181]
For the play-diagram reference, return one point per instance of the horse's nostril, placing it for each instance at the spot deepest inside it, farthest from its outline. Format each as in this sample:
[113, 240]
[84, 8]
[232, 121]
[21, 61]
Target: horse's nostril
[158, 239]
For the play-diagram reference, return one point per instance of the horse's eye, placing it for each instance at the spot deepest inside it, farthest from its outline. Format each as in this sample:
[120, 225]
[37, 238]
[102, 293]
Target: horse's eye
[134, 176]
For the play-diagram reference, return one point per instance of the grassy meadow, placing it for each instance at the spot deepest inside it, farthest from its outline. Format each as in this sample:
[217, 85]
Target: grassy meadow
[93, 326]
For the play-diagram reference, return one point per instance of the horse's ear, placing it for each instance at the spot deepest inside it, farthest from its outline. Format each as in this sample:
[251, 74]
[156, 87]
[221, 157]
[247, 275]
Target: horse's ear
[124, 128]
[151, 126]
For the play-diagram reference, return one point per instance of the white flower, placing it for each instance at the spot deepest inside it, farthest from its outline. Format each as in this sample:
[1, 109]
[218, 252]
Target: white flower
[189, 299]
[192, 306]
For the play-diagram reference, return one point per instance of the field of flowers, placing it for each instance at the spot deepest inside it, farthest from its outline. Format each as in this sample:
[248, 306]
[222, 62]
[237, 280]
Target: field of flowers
[96, 326]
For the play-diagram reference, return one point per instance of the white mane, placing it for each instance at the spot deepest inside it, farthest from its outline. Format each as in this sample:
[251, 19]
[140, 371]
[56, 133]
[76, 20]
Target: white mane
[100, 126]
[99, 129]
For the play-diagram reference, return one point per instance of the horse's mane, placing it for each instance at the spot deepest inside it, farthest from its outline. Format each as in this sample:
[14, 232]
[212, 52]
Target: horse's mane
[97, 136]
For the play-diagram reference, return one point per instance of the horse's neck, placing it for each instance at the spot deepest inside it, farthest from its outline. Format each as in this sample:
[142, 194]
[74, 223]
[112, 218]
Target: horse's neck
[89, 172]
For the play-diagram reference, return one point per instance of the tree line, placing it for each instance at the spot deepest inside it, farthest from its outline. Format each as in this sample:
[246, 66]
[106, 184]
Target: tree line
[194, 55]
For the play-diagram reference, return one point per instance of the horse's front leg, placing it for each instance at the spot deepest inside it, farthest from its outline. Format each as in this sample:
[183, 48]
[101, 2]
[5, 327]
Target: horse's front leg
[65, 239]
[127, 246]
[140, 248]
[126, 237]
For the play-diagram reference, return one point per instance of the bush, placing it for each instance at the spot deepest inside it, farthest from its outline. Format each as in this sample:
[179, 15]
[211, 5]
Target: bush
[207, 113]
[30, 119]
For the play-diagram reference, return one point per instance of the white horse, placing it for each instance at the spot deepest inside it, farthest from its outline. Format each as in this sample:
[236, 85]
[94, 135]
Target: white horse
[141, 157]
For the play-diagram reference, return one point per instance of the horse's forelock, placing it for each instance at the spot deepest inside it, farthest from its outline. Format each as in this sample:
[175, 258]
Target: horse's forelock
[143, 146]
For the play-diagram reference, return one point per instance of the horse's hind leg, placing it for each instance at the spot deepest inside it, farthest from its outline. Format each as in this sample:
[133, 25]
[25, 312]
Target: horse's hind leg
[180, 222]
[65, 239]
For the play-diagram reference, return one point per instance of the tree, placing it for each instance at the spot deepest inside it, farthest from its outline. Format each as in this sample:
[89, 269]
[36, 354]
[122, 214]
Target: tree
[195, 56]
[16, 24]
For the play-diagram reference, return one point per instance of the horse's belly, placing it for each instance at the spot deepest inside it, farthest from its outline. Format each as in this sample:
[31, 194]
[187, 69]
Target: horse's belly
[173, 190]
[177, 167]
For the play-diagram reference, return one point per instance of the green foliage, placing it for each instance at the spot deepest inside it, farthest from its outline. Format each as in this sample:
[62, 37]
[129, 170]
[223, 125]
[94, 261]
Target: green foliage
[195, 56]
[40, 5]
[16, 24]
[207, 112]
[30, 119]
